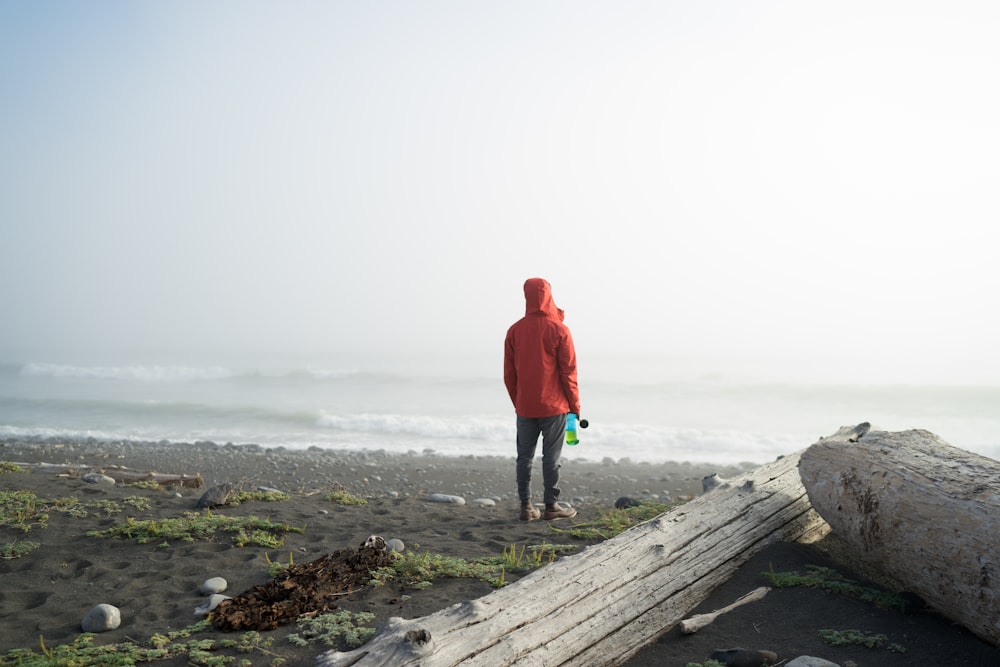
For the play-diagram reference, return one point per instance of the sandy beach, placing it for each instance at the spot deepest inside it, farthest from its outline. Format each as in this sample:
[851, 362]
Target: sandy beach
[48, 590]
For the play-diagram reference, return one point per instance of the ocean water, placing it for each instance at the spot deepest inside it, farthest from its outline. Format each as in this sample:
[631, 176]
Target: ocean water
[468, 412]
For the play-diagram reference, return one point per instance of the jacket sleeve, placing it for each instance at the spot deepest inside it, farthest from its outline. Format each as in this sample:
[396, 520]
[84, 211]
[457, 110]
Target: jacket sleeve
[567, 371]
[509, 368]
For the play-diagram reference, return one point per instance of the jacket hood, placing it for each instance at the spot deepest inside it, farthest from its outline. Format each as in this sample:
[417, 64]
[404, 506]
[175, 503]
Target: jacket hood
[538, 299]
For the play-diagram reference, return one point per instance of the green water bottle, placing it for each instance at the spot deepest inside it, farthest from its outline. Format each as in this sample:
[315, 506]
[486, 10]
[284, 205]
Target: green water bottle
[571, 438]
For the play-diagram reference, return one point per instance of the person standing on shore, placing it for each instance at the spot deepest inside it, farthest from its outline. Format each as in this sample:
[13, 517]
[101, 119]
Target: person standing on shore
[539, 370]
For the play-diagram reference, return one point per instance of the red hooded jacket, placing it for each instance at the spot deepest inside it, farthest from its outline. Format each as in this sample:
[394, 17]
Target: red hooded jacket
[539, 365]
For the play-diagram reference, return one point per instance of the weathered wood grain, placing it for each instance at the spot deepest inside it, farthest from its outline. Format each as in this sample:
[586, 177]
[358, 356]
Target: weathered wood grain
[921, 510]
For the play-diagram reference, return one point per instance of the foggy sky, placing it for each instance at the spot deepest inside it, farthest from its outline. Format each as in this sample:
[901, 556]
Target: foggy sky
[802, 189]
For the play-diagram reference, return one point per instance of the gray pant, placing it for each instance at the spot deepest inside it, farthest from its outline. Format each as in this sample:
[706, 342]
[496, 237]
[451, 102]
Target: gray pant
[552, 430]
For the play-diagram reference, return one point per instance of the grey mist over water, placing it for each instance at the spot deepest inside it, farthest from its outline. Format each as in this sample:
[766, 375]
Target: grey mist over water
[311, 224]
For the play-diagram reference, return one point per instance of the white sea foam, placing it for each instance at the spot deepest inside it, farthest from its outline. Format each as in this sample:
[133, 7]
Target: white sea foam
[396, 412]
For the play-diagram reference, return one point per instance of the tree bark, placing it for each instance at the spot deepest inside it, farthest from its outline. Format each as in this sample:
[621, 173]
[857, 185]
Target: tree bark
[601, 606]
[922, 511]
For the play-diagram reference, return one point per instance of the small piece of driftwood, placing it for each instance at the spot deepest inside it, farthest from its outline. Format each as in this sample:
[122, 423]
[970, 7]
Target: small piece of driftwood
[118, 474]
[698, 621]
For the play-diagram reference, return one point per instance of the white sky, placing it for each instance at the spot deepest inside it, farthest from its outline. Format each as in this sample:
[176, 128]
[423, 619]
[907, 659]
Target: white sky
[806, 187]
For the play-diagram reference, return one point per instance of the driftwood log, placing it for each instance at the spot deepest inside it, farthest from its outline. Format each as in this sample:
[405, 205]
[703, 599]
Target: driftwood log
[601, 606]
[118, 474]
[922, 511]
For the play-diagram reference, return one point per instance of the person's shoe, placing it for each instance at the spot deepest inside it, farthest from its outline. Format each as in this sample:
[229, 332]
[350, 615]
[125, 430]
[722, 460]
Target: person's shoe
[530, 513]
[557, 511]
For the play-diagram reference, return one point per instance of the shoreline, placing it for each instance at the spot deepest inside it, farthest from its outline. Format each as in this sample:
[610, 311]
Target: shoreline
[488, 475]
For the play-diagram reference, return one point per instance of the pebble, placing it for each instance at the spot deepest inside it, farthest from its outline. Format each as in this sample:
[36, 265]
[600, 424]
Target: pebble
[217, 496]
[485, 502]
[445, 498]
[214, 600]
[98, 478]
[809, 661]
[742, 657]
[213, 585]
[102, 618]
[395, 545]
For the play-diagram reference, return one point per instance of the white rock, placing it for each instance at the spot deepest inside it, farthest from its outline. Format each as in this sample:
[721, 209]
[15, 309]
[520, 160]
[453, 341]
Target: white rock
[809, 661]
[485, 502]
[213, 585]
[445, 498]
[98, 478]
[395, 545]
[102, 618]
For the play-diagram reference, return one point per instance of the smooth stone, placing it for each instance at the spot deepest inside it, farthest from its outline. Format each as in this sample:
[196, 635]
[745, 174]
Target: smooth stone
[102, 618]
[445, 498]
[742, 657]
[217, 496]
[98, 478]
[395, 545]
[269, 489]
[213, 585]
[214, 600]
[624, 502]
[809, 661]
[485, 502]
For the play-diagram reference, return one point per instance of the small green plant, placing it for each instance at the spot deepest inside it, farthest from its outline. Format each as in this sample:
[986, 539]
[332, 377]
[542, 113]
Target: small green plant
[108, 507]
[22, 510]
[332, 629]
[274, 568]
[614, 521]
[17, 549]
[852, 637]
[151, 485]
[7, 466]
[418, 569]
[830, 580]
[527, 556]
[140, 503]
[183, 644]
[262, 496]
[193, 526]
[71, 507]
[82, 652]
[858, 638]
[342, 496]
